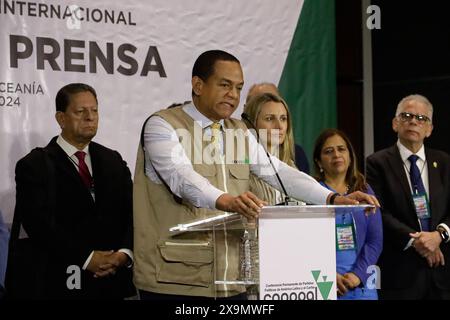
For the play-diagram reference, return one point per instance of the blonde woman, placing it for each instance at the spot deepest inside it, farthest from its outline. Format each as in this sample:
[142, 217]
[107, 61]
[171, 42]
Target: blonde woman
[269, 115]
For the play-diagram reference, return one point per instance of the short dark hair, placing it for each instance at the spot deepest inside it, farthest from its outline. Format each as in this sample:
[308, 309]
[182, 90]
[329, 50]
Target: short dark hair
[204, 65]
[62, 99]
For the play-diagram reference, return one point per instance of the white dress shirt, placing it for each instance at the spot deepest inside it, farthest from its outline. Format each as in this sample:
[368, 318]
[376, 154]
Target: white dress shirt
[70, 151]
[165, 154]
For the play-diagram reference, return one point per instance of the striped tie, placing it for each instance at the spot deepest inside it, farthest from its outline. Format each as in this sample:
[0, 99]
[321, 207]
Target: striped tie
[215, 132]
[215, 138]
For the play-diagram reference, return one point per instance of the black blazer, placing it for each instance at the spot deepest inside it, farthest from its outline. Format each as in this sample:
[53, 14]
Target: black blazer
[65, 224]
[387, 176]
[301, 161]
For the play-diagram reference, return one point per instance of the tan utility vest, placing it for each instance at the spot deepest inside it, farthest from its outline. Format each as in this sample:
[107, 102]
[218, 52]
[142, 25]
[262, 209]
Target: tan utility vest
[263, 190]
[189, 263]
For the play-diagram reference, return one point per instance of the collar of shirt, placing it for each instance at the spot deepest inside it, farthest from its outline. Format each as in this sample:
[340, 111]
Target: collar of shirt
[405, 153]
[198, 117]
[70, 151]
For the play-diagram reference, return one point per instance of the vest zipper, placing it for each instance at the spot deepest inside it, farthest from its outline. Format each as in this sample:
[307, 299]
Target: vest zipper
[224, 176]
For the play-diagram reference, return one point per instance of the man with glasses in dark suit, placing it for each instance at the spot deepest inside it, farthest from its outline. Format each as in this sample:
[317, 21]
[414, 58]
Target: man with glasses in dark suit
[412, 183]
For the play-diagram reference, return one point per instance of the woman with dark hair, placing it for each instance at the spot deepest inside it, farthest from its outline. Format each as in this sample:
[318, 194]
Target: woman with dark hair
[359, 237]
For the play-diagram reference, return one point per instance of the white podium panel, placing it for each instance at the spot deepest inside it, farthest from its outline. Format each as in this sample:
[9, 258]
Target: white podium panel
[297, 253]
[289, 254]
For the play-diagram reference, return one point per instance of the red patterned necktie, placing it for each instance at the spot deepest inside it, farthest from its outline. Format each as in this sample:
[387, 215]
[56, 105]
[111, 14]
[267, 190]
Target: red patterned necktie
[83, 169]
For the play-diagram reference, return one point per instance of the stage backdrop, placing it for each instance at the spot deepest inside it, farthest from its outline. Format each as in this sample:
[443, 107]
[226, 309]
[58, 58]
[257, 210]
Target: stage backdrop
[138, 55]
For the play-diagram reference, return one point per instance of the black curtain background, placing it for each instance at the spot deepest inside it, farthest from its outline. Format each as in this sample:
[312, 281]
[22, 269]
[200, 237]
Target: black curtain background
[411, 54]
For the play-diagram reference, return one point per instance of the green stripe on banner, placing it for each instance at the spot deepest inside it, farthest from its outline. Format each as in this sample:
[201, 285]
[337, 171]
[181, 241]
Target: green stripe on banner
[308, 81]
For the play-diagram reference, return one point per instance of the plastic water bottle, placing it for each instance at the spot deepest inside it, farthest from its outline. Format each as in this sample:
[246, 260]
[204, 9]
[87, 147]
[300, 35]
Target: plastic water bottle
[249, 268]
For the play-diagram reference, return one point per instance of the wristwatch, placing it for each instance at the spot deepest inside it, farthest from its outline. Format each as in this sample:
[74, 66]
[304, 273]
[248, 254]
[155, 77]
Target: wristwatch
[333, 197]
[444, 234]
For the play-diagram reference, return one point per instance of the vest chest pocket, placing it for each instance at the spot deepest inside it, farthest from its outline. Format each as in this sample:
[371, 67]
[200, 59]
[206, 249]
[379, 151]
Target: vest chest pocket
[188, 262]
[238, 181]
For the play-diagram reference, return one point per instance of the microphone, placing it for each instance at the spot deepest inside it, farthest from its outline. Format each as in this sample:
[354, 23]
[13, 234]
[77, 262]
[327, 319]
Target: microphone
[286, 197]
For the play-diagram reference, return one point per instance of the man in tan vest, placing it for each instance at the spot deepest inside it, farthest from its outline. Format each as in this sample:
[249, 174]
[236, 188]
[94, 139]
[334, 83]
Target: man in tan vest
[194, 162]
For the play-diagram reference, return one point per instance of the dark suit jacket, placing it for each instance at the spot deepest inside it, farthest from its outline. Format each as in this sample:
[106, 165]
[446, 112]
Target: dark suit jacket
[4, 239]
[65, 225]
[387, 176]
[301, 161]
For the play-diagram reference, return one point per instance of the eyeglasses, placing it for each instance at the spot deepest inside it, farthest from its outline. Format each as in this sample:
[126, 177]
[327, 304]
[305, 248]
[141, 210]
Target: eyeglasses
[407, 117]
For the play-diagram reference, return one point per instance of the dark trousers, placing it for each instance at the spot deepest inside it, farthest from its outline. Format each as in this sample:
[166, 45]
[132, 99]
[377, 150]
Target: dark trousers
[423, 288]
[147, 295]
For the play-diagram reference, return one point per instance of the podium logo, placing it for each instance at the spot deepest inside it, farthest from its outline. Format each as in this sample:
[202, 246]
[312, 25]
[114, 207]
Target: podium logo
[324, 286]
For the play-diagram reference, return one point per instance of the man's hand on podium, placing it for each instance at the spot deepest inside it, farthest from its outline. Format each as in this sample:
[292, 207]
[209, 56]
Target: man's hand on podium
[356, 198]
[246, 204]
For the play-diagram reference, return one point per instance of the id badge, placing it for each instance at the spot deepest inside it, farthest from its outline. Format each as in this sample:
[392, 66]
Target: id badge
[345, 237]
[421, 205]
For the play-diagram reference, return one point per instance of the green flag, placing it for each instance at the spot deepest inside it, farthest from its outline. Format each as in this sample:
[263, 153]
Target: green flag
[308, 81]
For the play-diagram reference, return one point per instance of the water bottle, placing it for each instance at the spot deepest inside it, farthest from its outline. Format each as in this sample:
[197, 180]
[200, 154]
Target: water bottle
[249, 267]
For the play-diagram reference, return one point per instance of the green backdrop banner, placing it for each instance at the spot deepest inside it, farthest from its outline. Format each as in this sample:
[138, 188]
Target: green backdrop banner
[308, 81]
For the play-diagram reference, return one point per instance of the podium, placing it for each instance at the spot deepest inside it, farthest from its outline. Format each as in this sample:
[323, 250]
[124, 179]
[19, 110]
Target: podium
[289, 253]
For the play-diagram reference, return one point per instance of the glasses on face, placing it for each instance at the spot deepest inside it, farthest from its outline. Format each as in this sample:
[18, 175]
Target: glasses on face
[407, 117]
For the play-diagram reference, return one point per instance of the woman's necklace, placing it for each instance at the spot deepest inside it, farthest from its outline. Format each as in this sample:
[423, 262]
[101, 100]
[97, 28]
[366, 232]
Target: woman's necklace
[339, 188]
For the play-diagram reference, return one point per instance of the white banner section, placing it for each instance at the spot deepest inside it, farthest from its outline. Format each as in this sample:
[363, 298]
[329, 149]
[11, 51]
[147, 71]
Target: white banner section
[137, 54]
